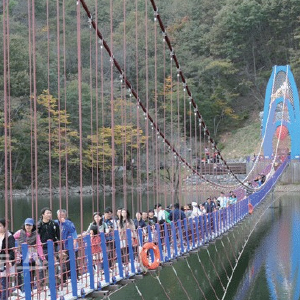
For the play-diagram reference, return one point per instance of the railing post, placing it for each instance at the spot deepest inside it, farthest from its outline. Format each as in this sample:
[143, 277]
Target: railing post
[202, 229]
[26, 271]
[150, 240]
[209, 225]
[105, 257]
[140, 236]
[131, 256]
[180, 236]
[167, 242]
[89, 259]
[196, 220]
[119, 254]
[214, 225]
[72, 258]
[51, 269]
[158, 227]
[217, 222]
[174, 238]
[224, 219]
[192, 231]
[186, 233]
[205, 229]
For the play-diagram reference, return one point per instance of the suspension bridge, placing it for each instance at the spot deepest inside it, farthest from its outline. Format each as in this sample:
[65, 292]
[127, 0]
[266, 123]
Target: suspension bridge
[118, 115]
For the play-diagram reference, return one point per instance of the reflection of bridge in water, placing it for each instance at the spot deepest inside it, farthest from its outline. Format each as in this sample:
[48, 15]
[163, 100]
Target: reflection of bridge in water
[83, 122]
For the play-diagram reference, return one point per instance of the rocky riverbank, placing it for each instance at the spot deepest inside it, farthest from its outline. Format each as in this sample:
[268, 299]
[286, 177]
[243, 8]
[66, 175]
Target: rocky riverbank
[89, 190]
[86, 190]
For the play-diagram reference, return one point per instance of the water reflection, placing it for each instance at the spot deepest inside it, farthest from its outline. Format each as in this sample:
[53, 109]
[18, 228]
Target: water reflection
[273, 269]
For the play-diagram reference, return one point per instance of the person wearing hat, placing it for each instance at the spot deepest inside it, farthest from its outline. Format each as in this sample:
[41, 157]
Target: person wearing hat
[195, 211]
[28, 234]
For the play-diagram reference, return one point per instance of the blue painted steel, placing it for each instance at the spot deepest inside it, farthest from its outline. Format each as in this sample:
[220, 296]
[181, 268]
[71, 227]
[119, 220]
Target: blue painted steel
[119, 254]
[26, 271]
[89, 259]
[214, 224]
[209, 225]
[140, 236]
[51, 269]
[191, 221]
[73, 266]
[105, 257]
[197, 231]
[174, 238]
[202, 229]
[186, 234]
[223, 212]
[205, 229]
[180, 236]
[158, 229]
[150, 239]
[149, 233]
[130, 249]
[272, 100]
[217, 223]
[167, 242]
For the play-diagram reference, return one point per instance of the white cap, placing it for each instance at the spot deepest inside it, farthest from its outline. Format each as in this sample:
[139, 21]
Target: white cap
[194, 204]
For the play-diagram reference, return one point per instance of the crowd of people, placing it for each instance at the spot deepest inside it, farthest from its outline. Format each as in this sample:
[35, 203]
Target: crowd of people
[58, 231]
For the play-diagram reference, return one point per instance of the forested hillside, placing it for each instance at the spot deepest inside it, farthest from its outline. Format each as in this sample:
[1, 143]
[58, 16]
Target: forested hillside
[227, 49]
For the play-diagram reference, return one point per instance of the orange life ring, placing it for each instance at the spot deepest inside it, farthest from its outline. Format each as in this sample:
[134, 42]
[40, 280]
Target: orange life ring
[144, 256]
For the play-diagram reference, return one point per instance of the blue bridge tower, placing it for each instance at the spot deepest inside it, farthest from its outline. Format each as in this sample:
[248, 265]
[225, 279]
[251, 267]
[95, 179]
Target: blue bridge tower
[281, 111]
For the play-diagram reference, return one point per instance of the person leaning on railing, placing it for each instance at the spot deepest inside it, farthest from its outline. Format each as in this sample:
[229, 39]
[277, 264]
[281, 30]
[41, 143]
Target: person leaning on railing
[28, 234]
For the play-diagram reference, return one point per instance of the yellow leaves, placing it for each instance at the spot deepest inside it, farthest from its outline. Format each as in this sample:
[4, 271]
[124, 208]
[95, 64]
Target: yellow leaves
[124, 137]
[62, 138]
[121, 104]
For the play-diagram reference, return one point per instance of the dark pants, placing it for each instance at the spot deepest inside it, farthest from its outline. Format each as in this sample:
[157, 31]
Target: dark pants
[3, 288]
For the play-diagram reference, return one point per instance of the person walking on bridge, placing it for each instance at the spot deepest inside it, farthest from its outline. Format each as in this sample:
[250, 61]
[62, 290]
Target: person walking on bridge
[48, 230]
[176, 214]
[28, 234]
[67, 229]
[222, 199]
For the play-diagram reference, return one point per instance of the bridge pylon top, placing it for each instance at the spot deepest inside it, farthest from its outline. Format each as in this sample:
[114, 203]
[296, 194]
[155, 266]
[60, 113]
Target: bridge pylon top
[281, 108]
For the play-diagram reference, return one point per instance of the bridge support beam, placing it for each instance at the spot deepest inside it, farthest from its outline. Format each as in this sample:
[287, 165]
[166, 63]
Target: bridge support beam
[281, 108]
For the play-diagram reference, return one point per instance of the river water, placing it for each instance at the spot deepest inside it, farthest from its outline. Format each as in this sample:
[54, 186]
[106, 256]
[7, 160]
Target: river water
[268, 268]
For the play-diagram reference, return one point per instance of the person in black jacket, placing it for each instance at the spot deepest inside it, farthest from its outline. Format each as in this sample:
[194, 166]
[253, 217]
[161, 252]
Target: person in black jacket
[48, 230]
[7, 257]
